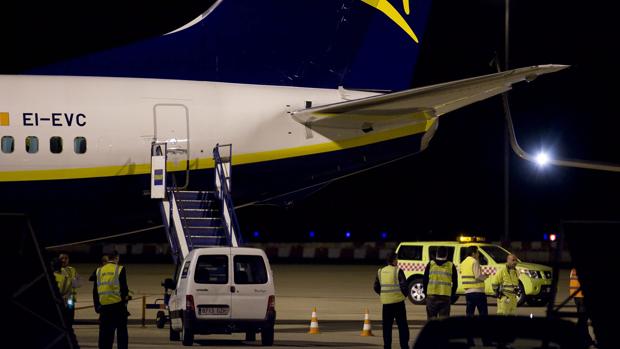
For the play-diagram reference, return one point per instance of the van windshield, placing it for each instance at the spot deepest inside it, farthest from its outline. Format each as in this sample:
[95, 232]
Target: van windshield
[250, 270]
[211, 269]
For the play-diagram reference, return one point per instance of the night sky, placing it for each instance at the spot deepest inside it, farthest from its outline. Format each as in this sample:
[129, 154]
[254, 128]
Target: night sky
[457, 183]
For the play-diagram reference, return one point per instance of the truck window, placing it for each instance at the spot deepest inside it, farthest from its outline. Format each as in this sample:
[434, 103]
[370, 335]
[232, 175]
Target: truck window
[211, 269]
[432, 252]
[483, 259]
[410, 253]
[498, 254]
[250, 270]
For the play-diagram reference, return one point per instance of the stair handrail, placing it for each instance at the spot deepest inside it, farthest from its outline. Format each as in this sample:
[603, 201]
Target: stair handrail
[175, 190]
[232, 227]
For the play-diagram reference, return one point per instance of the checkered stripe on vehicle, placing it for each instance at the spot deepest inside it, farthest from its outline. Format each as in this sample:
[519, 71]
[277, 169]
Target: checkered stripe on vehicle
[488, 270]
[412, 266]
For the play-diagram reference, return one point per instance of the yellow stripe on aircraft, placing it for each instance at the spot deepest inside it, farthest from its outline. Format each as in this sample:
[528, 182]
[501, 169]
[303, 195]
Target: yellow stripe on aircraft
[203, 163]
[389, 10]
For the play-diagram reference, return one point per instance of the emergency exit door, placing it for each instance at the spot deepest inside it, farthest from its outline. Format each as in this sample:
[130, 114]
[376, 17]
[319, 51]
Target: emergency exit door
[171, 126]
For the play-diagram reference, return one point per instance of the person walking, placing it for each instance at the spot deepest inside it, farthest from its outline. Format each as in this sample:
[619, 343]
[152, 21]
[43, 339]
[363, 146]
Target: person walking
[110, 295]
[473, 283]
[574, 288]
[391, 285]
[506, 287]
[440, 282]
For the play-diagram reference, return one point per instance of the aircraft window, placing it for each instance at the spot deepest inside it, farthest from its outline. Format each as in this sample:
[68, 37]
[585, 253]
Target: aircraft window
[32, 144]
[79, 145]
[8, 144]
[56, 145]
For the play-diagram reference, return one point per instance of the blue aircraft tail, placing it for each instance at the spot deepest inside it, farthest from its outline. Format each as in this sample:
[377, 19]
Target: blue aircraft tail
[358, 44]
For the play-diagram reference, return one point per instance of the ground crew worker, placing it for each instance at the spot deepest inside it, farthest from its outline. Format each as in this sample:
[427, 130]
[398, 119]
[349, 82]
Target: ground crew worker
[582, 315]
[110, 295]
[391, 285]
[473, 283]
[63, 281]
[506, 287]
[74, 279]
[440, 282]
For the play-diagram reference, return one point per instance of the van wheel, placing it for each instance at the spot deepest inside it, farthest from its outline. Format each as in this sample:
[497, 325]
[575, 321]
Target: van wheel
[521, 297]
[416, 291]
[250, 336]
[160, 319]
[266, 336]
[187, 336]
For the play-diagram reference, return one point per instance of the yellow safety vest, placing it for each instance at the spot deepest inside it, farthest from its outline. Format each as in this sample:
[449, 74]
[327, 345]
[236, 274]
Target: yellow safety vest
[508, 279]
[574, 284]
[467, 274]
[73, 279]
[390, 287]
[440, 279]
[63, 282]
[108, 286]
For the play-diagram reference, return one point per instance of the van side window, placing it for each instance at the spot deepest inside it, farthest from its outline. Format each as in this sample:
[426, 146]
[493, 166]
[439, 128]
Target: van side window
[211, 269]
[32, 144]
[410, 253]
[250, 270]
[185, 269]
[432, 252]
[56, 145]
[8, 144]
[79, 145]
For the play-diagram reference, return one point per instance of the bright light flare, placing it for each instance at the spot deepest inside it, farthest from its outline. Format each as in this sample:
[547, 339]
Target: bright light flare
[542, 159]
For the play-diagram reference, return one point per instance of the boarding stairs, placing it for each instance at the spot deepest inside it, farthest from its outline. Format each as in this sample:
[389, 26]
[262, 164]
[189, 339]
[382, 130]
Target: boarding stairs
[203, 218]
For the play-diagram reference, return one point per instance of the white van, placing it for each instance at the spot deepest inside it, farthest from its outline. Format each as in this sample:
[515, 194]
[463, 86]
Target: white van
[223, 290]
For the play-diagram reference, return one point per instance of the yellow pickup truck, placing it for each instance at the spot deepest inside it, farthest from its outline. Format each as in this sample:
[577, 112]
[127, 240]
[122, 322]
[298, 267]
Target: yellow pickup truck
[534, 279]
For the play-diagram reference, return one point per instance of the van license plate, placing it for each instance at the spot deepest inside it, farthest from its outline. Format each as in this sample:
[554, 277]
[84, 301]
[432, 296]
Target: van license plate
[213, 311]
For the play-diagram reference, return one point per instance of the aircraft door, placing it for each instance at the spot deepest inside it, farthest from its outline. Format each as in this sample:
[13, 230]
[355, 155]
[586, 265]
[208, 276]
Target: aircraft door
[171, 126]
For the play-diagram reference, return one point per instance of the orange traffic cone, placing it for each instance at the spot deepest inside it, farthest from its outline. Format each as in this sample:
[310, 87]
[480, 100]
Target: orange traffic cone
[314, 323]
[366, 331]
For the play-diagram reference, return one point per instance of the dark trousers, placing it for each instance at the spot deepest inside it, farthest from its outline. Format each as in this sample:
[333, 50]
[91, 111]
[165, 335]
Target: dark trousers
[437, 307]
[395, 311]
[476, 300]
[113, 318]
[582, 323]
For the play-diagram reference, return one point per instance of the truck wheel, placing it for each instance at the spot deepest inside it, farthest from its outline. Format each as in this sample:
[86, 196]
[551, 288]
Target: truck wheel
[266, 336]
[521, 297]
[250, 336]
[187, 335]
[416, 291]
[160, 319]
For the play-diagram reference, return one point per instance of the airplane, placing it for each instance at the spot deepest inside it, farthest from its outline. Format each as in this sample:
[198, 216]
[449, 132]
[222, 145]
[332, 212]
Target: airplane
[322, 95]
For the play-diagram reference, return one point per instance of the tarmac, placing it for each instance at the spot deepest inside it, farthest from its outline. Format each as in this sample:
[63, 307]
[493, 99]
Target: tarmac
[341, 294]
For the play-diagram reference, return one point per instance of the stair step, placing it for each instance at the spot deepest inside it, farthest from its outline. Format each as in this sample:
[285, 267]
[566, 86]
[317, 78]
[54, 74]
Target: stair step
[195, 195]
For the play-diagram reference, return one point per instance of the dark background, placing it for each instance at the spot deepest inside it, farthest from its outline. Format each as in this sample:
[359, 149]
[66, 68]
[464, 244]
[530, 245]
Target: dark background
[455, 185]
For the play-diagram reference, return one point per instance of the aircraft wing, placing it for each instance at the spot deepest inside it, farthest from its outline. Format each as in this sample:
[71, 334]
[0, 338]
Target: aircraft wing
[418, 104]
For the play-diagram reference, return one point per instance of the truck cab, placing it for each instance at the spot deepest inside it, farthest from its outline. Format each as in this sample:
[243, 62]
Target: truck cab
[223, 290]
[534, 279]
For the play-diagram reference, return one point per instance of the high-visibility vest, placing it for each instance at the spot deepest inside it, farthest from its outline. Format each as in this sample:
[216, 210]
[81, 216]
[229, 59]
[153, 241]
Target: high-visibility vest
[390, 287]
[63, 282]
[72, 278]
[440, 279]
[467, 274]
[508, 279]
[574, 284]
[108, 286]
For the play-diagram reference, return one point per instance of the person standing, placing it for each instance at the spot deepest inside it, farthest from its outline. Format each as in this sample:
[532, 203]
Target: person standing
[110, 295]
[506, 287]
[582, 315]
[473, 283]
[74, 279]
[440, 282]
[391, 285]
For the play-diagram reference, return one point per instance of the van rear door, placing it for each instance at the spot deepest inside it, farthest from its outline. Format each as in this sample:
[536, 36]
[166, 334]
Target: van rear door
[253, 286]
[213, 287]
